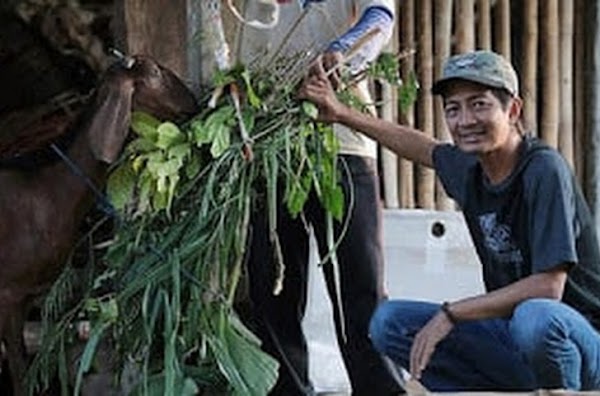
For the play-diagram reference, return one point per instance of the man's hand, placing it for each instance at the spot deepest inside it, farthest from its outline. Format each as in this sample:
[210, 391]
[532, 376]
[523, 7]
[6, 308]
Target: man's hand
[318, 90]
[425, 342]
[331, 63]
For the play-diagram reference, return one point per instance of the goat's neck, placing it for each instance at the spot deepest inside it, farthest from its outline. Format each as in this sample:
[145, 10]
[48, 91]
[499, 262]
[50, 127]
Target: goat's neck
[70, 191]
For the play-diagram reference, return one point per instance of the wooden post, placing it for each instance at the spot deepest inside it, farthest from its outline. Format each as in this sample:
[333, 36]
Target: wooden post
[407, 38]
[426, 177]
[529, 70]
[593, 111]
[550, 73]
[484, 28]
[581, 82]
[162, 29]
[502, 27]
[565, 130]
[443, 35]
[465, 30]
[389, 112]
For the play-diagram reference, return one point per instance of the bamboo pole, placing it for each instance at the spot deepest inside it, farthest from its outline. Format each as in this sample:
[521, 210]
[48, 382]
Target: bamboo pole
[550, 73]
[565, 136]
[502, 27]
[484, 28]
[465, 30]
[443, 35]
[389, 160]
[593, 110]
[580, 84]
[425, 176]
[529, 65]
[407, 38]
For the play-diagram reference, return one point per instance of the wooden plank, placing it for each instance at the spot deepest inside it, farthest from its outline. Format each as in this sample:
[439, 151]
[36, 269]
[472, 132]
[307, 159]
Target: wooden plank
[168, 30]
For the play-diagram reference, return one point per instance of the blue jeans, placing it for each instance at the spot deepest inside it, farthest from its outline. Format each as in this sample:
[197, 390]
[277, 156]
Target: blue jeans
[545, 345]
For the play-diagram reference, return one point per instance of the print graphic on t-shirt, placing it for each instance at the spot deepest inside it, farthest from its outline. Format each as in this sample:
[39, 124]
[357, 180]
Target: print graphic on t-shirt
[498, 239]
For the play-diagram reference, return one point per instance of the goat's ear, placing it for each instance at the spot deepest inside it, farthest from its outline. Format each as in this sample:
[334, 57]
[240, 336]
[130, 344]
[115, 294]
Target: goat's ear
[110, 120]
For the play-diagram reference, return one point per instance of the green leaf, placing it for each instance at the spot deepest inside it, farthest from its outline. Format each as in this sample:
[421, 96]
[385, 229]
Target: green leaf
[156, 387]
[310, 109]
[248, 369]
[120, 186]
[192, 167]
[145, 125]
[141, 145]
[407, 93]
[88, 354]
[298, 194]
[334, 202]
[221, 141]
[169, 135]
[250, 93]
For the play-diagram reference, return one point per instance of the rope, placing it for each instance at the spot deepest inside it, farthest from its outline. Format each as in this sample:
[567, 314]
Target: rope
[101, 200]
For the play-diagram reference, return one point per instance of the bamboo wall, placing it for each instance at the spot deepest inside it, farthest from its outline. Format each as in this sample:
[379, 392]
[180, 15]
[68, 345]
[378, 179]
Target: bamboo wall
[545, 40]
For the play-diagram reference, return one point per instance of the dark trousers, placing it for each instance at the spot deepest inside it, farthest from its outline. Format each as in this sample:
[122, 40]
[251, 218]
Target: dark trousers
[279, 317]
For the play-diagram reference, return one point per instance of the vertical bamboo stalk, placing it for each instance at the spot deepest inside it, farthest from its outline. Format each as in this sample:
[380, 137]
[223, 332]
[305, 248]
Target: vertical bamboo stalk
[465, 30]
[502, 27]
[443, 34]
[579, 100]
[592, 185]
[389, 160]
[550, 73]
[484, 28]
[426, 177]
[565, 136]
[407, 38]
[530, 64]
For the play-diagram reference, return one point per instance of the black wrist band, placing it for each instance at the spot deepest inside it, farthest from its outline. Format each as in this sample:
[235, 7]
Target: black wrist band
[446, 310]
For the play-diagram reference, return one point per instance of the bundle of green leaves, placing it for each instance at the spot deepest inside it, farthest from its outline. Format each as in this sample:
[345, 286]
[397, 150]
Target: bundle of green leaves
[166, 294]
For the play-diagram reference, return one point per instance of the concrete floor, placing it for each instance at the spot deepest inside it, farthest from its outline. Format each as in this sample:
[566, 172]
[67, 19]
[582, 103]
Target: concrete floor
[429, 256]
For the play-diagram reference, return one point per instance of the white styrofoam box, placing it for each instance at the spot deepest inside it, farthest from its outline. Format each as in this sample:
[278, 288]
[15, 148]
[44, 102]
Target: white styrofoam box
[428, 255]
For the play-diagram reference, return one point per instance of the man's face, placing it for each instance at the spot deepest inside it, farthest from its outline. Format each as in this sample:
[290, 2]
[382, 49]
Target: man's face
[476, 118]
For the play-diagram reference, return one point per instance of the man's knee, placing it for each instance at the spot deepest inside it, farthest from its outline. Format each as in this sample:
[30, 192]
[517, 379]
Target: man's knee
[380, 326]
[533, 322]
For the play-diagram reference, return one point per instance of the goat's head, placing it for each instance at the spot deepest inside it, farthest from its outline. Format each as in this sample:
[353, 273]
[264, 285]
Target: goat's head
[140, 84]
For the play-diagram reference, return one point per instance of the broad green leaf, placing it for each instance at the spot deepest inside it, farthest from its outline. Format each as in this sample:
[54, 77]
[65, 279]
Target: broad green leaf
[310, 109]
[180, 151]
[169, 135]
[248, 369]
[145, 125]
[120, 186]
[407, 93]
[192, 167]
[156, 387]
[221, 142]
[141, 145]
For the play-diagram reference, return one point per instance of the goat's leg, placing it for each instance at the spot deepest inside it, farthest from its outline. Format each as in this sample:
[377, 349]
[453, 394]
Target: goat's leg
[15, 351]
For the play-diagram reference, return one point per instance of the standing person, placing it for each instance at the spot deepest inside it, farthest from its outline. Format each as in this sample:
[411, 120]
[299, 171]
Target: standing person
[537, 324]
[331, 27]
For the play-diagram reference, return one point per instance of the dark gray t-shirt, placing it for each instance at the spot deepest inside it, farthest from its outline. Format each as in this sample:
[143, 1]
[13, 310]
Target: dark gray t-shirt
[534, 220]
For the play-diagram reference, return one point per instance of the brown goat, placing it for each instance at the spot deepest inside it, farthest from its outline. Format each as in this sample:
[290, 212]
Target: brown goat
[41, 210]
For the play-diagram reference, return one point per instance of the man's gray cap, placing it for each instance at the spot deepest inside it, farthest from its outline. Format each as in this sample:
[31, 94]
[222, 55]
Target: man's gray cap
[483, 67]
